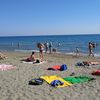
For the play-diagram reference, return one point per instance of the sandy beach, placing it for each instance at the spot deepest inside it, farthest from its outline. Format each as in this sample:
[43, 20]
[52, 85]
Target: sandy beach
[14, 83]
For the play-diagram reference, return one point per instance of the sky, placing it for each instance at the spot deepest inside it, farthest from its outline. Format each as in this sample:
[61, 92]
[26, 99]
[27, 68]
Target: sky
[49, 17]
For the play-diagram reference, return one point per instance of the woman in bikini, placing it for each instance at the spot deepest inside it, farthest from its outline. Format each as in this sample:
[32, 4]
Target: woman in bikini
[41, 48]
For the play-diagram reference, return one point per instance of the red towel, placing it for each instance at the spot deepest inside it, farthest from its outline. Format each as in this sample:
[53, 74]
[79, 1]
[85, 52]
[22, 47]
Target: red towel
[56, 67]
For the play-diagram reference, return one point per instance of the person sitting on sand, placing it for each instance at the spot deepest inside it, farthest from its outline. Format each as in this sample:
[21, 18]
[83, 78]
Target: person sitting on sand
[32, 57]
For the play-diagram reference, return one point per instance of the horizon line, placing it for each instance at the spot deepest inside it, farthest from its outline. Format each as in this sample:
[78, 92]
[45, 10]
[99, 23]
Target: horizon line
[49, 35]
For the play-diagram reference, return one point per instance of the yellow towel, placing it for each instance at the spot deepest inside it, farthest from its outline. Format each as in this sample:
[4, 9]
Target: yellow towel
[49, 79]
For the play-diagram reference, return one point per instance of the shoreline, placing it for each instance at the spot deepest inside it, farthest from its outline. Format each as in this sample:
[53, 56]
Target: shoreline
[62, 53]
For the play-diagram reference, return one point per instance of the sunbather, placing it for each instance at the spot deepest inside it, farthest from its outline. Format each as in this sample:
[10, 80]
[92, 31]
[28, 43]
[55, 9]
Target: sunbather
[2, 56]
[32, 58]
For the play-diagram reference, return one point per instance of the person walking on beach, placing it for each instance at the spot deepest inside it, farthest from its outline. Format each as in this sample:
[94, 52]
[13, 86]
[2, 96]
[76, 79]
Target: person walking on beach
[91, 46]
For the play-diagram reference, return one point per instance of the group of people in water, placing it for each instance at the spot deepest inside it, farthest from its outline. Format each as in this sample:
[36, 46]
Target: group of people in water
[48, 48]
[91, 46]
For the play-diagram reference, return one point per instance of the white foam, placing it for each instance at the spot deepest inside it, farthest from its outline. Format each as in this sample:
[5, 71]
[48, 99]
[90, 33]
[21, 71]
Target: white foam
[26, 50]
[67, 53]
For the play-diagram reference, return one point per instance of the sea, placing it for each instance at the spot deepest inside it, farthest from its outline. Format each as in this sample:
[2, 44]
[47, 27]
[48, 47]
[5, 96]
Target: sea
[63, 43]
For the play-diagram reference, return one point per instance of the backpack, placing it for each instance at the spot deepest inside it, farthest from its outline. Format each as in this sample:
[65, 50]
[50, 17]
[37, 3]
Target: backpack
[63, 67]
[79, 64]
[36, 81]
[56, 83]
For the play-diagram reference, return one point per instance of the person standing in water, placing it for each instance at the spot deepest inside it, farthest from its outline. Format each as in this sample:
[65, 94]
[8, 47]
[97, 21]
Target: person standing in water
[77, 51]
[46, 47]
[50, 47]
[90, 47]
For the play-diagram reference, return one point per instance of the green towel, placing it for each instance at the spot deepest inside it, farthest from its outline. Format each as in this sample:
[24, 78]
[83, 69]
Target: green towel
[78, 79]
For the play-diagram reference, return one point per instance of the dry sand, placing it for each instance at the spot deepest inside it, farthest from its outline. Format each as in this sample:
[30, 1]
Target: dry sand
[14, 83]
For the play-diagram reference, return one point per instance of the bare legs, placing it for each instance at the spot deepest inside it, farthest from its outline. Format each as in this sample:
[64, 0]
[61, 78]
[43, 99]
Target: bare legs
[91, 52]
[41, 56]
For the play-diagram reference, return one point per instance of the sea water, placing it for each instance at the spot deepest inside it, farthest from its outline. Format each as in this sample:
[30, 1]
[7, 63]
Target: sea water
[63, 43]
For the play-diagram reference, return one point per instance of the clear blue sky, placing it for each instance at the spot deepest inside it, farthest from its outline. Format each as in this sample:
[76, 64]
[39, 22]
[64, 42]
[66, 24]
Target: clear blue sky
[41, 17]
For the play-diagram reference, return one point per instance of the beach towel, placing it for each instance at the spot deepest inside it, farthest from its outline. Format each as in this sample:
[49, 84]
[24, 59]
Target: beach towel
[6, 67]
[78, 79]
[27, 62]
[34, 62]
[50, 79]
[97, 72]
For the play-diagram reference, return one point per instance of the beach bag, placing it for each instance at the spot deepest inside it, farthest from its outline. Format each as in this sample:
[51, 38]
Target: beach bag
[63, 67]
[97, 72]
[36, 81]
[85, 63]
[56, 83]
[79, 64]
[37, 61]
